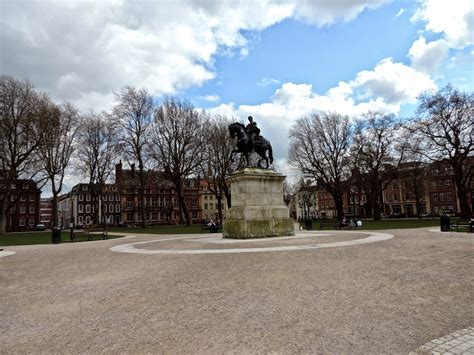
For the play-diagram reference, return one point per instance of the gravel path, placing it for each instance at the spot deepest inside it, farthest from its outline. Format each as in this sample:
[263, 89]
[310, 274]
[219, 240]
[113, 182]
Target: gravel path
[385, 297]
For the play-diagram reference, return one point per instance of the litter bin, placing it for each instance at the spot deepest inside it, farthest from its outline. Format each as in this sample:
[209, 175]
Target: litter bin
[56, 235]
[308, 223]
[445, 223]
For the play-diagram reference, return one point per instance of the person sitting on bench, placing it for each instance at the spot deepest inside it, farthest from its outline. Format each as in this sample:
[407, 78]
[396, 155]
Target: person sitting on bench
[212, 226]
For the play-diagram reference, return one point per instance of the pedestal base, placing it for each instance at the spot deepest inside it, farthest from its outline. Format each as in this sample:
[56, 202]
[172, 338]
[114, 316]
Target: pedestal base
[257, 208]
[258, 228]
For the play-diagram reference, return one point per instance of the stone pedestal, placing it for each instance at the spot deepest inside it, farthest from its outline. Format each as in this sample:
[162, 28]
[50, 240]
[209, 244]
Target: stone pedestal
[258, 210]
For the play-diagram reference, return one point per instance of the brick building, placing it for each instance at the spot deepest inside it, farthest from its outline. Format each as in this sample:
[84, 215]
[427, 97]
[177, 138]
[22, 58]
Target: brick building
[416, 189]
[23, 213]
[161, 199]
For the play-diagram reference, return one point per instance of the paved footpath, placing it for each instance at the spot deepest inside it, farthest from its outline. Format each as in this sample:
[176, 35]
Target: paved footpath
[317, 293]
[460, 342]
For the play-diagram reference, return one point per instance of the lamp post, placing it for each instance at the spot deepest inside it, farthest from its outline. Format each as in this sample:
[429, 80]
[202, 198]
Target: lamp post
[71, 224]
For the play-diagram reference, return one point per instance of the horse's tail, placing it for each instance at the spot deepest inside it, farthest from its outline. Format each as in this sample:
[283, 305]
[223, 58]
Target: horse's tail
[270, 153]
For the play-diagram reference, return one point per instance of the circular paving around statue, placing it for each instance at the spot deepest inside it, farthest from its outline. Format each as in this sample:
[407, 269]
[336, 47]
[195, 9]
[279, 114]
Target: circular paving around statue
[217, 245]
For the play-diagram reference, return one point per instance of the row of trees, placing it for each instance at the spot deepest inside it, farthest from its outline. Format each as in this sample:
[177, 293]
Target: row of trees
[332, 150]
[41, 140]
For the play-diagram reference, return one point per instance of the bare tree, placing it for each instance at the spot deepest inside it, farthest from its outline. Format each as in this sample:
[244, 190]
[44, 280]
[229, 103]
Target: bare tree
[445, 127]
[319, 148]
[178, 142]
[134, 112]
[96, 155]
[377, 153]
[57, 146]
[20, 136]
[216, 165]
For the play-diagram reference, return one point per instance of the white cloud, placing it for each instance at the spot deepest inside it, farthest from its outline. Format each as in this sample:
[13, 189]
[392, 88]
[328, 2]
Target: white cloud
[326, 12]
[384, 88]
[395, 83]
[400, 12]
[453, 19]
[211, 98]
[268, 82]
[427, 57]
[83, 51]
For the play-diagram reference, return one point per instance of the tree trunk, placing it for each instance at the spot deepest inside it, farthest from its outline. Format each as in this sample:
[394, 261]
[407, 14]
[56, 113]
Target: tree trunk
[339, 206]
[462, 192]
[143, 206]
[3, 217]
[377, 204]
[182, 203]
[219, 207]
[55, 220]
[141, 172]
[466, 212]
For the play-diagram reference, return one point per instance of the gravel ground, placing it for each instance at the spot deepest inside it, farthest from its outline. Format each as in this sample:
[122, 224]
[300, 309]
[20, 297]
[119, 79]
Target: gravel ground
[385, 297]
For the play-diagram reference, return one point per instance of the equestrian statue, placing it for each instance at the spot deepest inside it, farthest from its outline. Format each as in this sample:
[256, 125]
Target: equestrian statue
[249, 140]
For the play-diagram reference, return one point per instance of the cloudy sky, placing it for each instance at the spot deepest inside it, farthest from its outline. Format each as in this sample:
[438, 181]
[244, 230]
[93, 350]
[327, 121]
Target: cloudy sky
[275, 60]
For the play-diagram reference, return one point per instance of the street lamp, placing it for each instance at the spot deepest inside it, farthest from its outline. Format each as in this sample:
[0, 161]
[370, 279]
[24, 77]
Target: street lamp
[71, 224]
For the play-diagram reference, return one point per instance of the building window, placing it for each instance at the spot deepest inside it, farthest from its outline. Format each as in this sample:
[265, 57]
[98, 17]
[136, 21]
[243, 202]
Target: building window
[22, 209]
[81, 197]
[88, 197]
[435, 197]
[394, 186]
[79, 220]
[88, 219]
[32, 209]
[85, 188]
[195, 215]
[80, 208]
[117, 197]
[433, 183]
[31, 222]
[105, 208]
[205, 206]
[129, 216]
[32, 198]
[395, 197]
[13, 186]
[442, 196]
[117, 207]
[88, 208]
[22, 221]
[448, 182]
[22, 198]
[449, 196]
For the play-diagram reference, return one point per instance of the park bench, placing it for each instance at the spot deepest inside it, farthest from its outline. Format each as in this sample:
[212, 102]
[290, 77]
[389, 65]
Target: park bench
[90, 232]
[461, 224]
[207, 228]
[328, 223]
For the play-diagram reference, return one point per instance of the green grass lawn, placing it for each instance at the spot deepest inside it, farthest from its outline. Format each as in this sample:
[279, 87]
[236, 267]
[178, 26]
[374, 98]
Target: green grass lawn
[45, 237]
[391, 224]
[42, 238]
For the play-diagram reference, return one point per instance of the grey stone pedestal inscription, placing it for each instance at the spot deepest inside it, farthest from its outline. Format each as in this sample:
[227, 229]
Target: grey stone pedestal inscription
[258, 210]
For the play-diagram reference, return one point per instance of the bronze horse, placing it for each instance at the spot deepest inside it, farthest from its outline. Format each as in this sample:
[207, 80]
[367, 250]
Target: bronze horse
[245, 145]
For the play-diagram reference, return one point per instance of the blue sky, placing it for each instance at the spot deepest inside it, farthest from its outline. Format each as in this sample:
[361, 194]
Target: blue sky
[275, 60]
[300, 52]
